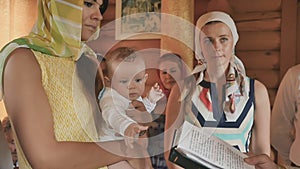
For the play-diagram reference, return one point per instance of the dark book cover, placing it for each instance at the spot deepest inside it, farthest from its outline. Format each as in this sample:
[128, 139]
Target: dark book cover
[183, 161]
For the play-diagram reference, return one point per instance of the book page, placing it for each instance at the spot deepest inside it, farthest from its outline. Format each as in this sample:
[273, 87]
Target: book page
[197, 144]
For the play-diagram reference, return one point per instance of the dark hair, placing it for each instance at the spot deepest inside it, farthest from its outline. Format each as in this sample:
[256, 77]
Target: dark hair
[120, 54]
[213, 22]
[104, 6]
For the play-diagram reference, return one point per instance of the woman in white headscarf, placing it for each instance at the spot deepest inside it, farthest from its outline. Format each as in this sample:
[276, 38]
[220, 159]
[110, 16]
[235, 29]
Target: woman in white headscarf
[224, 100]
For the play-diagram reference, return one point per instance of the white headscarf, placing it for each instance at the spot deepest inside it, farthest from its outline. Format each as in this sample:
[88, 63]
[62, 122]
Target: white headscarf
[235, 79]
[226, 19]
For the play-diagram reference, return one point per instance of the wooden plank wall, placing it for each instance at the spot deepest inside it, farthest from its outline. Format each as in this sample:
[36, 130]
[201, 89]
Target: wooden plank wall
[288, 49]
[267, 44]
[259, 25]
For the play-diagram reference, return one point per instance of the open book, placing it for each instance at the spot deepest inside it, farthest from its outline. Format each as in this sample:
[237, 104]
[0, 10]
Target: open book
[194, 147]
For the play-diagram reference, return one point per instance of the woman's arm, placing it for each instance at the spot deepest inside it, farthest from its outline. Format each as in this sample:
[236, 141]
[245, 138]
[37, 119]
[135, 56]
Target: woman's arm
[260, 142]
[174, 120]
[283, 114]
[30, 112]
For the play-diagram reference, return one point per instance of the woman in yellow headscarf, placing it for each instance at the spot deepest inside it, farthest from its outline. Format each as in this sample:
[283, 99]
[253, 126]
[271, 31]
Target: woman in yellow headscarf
[43, 91]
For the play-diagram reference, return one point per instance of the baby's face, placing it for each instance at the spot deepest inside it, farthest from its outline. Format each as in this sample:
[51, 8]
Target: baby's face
[129, 79]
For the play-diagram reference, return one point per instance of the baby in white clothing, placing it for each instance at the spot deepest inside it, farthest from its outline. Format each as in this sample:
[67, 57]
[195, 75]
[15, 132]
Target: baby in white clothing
[125, 79]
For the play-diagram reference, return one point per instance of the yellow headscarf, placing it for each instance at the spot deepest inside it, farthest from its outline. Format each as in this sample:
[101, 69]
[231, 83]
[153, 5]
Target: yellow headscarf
[57, 32]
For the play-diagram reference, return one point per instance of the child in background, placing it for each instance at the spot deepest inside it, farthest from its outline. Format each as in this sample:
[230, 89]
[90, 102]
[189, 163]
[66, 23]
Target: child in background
[125, 79]
[5, 153]
[171, 71]
[8, 132]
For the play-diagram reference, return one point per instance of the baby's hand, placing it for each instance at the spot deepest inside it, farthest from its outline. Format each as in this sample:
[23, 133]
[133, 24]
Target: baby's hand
[132, 132]
[155, 93]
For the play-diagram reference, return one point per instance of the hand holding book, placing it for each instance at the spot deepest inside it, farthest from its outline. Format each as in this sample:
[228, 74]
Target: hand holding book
[201, 149]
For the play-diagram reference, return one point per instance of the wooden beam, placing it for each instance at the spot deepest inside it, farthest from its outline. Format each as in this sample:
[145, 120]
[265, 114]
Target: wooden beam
[260, 60]
[240, 6]
[298, 33]
[260, 25]
[178, 29]
[237, 17]
[288, 35]
[262, 40]
[270, 78]
[219, 5]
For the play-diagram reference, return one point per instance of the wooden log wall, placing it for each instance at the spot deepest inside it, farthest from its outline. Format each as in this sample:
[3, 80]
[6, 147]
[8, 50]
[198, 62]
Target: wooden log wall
[266, 47]
[259, 26]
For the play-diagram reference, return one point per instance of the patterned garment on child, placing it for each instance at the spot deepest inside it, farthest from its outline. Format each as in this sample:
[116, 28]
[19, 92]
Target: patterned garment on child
[156, 142]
